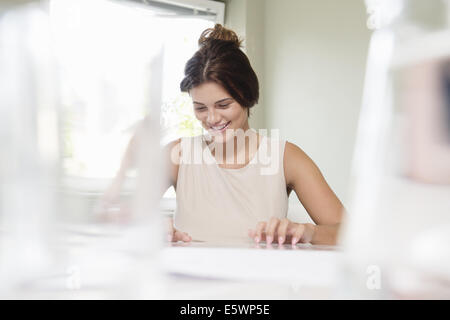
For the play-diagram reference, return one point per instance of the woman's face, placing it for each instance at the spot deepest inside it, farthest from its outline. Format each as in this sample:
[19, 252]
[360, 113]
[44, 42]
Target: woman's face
[218, 112]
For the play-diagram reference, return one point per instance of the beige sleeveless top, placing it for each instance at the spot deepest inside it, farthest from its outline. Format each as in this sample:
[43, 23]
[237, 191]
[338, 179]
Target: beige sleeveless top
[215, 203]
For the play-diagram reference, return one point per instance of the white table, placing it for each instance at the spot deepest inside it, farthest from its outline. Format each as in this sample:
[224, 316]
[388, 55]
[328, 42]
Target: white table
[88, 268]
[245, 271]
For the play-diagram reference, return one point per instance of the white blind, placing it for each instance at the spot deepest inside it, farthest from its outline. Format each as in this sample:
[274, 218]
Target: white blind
[206, 9]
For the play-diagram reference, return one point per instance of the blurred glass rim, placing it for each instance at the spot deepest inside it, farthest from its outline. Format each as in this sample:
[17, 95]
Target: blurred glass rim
[422, 15]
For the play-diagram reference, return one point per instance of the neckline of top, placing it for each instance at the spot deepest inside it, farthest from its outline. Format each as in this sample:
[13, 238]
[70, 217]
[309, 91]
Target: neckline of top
[262, 143]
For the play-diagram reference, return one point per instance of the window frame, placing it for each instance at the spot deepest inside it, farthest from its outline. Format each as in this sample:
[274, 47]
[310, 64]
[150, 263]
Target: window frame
[216, 7]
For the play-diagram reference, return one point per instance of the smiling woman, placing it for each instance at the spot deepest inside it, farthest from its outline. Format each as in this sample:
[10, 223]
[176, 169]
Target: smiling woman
[223, 192]
[218, 112]
[221, 61]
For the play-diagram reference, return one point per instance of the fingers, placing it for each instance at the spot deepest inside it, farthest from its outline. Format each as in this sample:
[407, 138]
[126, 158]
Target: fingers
[181, 236]
[260, 227]
[282, 230]
[174, 235]
[302, 233]
[297, 233]
[271, 227]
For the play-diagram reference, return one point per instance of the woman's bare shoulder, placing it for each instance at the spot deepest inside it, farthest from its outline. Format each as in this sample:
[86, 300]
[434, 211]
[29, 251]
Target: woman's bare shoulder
[296, 163]
[172, 152]
[173, 144]
[292, 152]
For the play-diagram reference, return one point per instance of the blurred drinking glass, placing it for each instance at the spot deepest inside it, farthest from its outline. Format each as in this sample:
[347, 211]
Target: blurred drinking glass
[397, 235]
[73, 91]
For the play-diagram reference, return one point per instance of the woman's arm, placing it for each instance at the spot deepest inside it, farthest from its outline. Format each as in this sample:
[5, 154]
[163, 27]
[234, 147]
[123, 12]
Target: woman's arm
[321, 203]
[304, 177]
[173, 155]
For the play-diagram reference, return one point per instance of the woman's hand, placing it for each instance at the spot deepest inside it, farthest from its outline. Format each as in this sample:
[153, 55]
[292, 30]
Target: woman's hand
[283, 231]
[174, 235]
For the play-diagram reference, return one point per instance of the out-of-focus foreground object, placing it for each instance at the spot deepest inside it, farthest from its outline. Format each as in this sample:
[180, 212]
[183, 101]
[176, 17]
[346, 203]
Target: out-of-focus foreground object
[77, 80]
[397, 233]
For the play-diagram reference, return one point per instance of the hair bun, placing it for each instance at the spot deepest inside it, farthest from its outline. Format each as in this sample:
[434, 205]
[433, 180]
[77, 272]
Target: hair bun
[219, 33]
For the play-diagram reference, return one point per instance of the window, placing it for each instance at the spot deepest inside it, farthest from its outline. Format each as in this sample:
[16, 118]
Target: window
[106, 51]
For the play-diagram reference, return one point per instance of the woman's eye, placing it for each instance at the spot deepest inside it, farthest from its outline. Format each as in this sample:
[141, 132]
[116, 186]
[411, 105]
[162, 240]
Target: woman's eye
[224, 105]
[200, 109]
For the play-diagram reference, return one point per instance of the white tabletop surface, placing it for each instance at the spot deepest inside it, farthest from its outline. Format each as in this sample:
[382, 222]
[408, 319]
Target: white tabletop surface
[248, 271]
[198, 270]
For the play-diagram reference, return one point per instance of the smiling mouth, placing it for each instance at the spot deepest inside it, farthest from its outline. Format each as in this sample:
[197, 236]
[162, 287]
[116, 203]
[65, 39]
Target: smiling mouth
[221, 127]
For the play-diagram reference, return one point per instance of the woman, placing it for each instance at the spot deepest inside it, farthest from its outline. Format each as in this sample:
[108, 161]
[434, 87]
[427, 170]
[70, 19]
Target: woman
[222, 197]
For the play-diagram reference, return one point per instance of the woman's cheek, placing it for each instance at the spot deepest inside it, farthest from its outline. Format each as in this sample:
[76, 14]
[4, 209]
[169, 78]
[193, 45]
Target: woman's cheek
[199, 117]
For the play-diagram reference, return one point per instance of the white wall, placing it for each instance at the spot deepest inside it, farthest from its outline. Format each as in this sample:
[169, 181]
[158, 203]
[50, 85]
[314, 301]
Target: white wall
[246, 18]
[313, 54]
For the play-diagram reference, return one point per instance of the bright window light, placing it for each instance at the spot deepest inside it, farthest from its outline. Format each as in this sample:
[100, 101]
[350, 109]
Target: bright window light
[105, 50]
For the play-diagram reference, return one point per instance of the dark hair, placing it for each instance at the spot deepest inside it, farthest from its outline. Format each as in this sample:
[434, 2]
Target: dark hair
[220, 59]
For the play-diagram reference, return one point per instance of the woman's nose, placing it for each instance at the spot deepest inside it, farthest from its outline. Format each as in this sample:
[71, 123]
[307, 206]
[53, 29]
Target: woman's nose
[213, 117]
